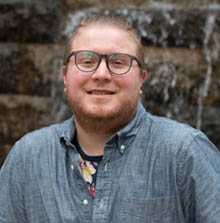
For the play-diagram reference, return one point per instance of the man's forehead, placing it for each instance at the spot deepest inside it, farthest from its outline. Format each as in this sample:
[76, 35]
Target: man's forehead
[102, 32]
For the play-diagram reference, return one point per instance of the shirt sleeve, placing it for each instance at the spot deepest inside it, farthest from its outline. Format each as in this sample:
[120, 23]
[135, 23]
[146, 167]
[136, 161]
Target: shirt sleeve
[200, 192]
[12, 188]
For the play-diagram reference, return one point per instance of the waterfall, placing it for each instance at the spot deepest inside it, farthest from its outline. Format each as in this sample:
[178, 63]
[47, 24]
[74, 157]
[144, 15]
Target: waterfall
[210, 54]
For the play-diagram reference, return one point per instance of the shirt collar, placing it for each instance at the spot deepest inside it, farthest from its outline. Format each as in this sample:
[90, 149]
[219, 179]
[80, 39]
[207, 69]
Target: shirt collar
[126, 135]
[68, 131]
[132, 127]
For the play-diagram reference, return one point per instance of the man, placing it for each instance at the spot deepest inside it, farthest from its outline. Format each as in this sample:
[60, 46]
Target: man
[112, 162]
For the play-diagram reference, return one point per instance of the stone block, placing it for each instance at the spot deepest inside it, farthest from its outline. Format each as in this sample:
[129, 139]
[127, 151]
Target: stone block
[21, 114]
[29, 21]
[9, 68]
[30, 69]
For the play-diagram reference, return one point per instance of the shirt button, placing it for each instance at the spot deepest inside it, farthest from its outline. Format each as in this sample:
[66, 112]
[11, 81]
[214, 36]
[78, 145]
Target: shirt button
[122, 147]
[72, 167]
[85, 202]
[106, 167]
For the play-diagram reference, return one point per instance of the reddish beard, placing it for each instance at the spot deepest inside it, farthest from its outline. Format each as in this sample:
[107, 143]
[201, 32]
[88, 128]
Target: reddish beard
[104, 122]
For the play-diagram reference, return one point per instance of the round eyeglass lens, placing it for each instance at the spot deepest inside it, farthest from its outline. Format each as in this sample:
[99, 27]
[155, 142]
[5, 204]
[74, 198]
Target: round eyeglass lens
[119, 63]
[87, 61]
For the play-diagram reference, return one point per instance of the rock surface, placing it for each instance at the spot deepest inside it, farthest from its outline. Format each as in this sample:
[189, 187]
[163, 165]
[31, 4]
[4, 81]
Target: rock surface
[29, 21]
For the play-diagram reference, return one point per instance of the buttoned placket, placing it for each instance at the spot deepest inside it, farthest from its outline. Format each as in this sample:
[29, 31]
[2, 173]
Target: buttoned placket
[98, 206]
[103, 191]
[86, 200]
[104, 183]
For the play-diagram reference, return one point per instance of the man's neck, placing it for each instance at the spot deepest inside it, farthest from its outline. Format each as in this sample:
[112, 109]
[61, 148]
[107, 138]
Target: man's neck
[91, 143]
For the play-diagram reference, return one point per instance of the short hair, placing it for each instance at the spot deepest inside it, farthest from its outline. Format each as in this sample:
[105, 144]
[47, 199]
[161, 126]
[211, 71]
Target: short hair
[113, 20]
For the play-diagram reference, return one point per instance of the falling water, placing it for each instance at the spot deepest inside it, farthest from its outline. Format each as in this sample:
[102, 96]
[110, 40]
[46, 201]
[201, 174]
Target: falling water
[210, 54]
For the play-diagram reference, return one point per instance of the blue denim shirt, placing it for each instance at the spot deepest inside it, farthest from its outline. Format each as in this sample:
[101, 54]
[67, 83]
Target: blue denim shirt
[154, 170]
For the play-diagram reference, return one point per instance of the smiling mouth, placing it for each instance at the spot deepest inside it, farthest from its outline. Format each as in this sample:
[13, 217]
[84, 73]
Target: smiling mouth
[100, 92]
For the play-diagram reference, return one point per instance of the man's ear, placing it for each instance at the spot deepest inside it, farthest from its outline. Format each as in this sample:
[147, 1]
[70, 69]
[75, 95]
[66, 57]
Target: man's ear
[143, 76]
[64, 71]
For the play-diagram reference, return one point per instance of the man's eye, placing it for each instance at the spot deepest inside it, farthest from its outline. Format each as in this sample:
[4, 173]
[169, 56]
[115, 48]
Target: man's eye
[86, 61]
[118, 62]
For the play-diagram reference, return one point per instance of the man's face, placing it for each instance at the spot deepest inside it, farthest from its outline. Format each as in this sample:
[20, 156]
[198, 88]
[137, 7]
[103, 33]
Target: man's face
[100, 94]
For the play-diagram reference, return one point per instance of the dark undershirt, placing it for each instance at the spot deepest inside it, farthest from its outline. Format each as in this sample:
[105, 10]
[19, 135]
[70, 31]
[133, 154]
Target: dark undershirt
[89, 166]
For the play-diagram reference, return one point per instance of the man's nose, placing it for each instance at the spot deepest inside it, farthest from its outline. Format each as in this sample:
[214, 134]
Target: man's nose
[102, 72]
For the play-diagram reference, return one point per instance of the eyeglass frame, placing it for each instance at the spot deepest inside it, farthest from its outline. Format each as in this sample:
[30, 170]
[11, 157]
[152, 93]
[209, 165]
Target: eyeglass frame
[100, 56]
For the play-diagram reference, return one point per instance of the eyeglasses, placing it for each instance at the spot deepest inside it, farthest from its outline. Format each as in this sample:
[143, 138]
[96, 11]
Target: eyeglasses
[117, 63]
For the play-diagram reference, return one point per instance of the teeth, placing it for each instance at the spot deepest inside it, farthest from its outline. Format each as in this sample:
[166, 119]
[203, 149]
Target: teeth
[100, 92]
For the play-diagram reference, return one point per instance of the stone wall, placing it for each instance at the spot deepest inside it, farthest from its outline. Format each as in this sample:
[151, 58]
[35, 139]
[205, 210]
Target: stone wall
[181, 42]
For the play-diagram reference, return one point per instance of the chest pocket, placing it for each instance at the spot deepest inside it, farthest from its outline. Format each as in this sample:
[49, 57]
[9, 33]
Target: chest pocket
[160, 210]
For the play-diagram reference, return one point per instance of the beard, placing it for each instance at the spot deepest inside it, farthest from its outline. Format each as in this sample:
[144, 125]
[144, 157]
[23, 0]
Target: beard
[105, 121]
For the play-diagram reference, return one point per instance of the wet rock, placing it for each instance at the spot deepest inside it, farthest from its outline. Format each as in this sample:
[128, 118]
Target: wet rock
[30, 69]
[160, 25]
[21, 114]
[175, 89]
[9, 67]
[29, 21]
[5, 149]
